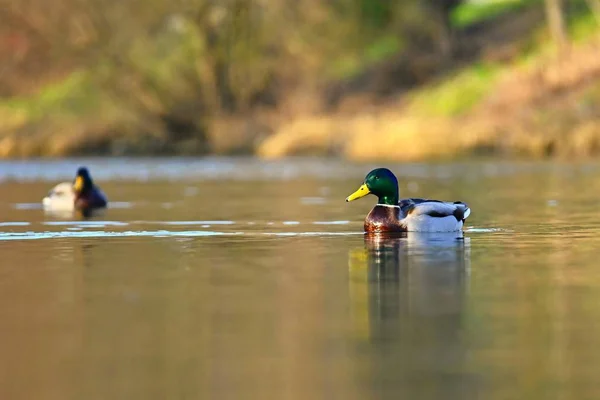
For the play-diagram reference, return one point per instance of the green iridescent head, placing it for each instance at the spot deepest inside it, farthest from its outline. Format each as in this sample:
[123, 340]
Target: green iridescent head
[382, 183]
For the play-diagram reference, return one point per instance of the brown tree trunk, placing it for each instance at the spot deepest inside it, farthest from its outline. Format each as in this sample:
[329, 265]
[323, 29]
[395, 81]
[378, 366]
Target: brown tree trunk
[556, 22]
[446, 32]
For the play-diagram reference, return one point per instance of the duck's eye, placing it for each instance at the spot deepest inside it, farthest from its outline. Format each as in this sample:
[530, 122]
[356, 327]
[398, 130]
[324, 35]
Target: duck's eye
[376, 178]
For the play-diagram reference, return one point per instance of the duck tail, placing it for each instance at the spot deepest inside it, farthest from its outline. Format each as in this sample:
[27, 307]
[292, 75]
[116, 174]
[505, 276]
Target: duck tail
[466, 211]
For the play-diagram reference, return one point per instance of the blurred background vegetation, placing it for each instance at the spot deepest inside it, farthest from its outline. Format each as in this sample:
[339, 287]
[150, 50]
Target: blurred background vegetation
[363, 79]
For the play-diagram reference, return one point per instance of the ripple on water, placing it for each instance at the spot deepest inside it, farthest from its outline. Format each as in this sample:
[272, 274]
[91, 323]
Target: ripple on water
[100, 234]
[39, 206]
[311, 233]
[14, 223]
[28, 206]
[312, 200]
[120, 204]
[484, 230]
[72, 233]
[183, 223]
[102, 228]
[85, 224]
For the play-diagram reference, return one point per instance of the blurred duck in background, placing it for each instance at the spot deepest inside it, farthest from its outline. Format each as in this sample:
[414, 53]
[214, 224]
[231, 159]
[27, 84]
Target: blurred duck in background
[81, 195]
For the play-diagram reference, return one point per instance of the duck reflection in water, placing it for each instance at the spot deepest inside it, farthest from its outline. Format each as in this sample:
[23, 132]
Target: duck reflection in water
[408, 299]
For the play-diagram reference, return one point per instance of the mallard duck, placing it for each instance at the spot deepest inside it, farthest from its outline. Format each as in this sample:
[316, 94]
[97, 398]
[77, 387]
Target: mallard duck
[391, 214]
[81, 195]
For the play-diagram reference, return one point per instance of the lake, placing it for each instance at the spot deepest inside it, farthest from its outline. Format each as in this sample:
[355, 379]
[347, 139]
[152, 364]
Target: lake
[232, 278]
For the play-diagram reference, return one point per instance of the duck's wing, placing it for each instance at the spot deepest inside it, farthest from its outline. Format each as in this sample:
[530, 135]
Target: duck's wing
[60, 197]
[100, 199]
[62, 189]
[434, 208]
[408, 204]
[95, 198]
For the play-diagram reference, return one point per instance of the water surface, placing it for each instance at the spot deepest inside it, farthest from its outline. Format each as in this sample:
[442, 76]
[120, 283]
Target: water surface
[232, 278]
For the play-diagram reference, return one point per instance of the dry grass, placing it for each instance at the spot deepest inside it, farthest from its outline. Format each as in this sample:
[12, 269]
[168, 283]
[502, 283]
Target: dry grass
[312, 134]
[382, 136]
[55, 140]
[549, 108]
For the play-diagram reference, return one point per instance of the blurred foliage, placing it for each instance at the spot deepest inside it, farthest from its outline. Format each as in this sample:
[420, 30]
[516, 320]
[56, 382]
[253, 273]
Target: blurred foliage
[456, 95]
[481, 11]
[173, 65]
[170, 70]
[230, 50]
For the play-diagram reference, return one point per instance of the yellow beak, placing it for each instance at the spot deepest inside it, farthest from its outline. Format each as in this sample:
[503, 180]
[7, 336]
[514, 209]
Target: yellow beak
[78, 185]
[362, 191]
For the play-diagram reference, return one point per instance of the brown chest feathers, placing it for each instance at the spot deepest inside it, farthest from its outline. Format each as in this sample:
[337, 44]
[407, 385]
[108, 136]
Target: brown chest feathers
[384, 219]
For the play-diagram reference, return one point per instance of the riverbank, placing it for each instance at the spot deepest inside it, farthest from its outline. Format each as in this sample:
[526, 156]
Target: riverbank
[507, 91]
[542, 108]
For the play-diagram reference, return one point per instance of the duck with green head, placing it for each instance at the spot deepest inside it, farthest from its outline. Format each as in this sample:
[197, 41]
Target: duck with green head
[391, 214]
[81, 195]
